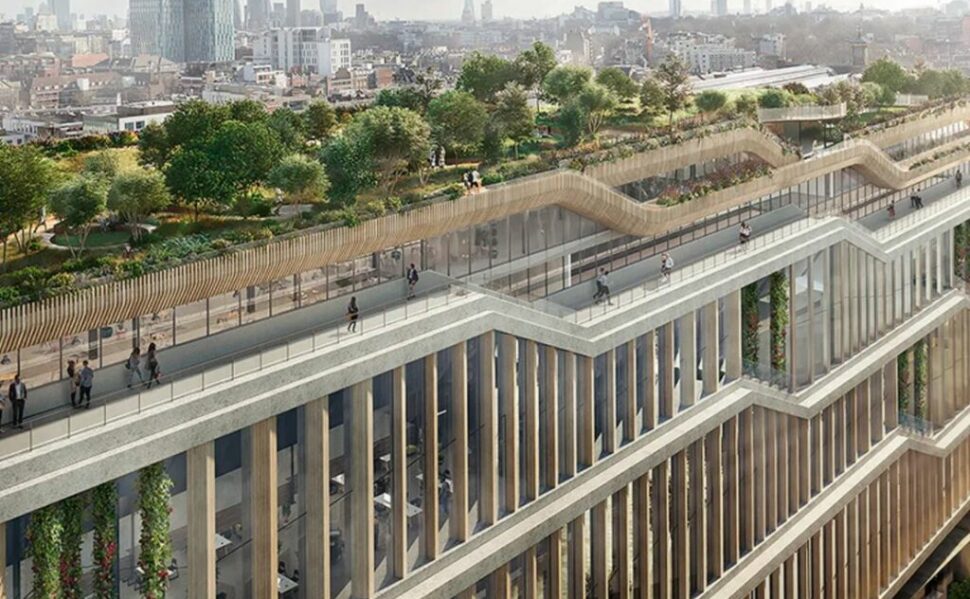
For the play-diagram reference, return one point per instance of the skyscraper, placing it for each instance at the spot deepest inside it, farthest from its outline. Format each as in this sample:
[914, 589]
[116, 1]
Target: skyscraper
[183, 30]
[62, 10]
[468, 13]
[257, 14]
[487, 10]
[292, 13]
[675, 9]
[719, 8]
[328, 7]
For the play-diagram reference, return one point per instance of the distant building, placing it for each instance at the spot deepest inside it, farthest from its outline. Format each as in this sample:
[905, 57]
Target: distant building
[675, 9]
[293, 13]
[130, 117]
[577, 44]
[183, 30]
[704, 53]
[719, 8]
[257, 15]
[860, 52]
[468, 13]
[304, 49]
[487, 14]
[62, 10]
[747, 7]
[772, 44]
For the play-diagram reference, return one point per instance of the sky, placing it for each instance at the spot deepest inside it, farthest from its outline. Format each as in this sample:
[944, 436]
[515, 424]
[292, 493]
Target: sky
[441, 9]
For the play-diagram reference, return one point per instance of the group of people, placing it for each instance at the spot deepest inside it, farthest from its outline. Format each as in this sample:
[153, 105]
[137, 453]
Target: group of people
[473, 181]
[81, 380]
[133, 367]
[915, 201]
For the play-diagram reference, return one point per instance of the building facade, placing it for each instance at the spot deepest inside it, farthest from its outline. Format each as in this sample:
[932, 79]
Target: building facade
[787, 418]
[305, 49]
[183, 30]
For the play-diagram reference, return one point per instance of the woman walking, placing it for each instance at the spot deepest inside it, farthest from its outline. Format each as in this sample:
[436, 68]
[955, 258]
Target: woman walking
[73, 378]
[353, 313]
[152, 361]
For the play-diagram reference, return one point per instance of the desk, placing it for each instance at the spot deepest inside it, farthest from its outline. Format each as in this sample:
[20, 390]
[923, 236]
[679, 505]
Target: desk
[222, 541]
[284, 584]
[384, 500]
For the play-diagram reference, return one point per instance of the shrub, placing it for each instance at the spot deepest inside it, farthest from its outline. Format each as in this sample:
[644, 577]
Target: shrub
[9, 295]
[454, 191]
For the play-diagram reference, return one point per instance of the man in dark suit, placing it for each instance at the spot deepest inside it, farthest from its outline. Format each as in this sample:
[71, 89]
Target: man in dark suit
[18, 397]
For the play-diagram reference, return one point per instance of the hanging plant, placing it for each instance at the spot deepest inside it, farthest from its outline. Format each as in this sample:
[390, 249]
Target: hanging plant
[779, 319]
[750, 320]
[919, 377]
[104, 499]
[72, 530]
[902, 381]
[44, 536]
[154, 492]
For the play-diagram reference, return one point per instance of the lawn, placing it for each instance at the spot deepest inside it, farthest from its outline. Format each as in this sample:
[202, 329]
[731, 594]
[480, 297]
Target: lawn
[127, 159]
[96, 239]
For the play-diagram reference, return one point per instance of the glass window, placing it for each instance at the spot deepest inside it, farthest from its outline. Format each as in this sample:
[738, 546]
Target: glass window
[224, 311]
[190, 321]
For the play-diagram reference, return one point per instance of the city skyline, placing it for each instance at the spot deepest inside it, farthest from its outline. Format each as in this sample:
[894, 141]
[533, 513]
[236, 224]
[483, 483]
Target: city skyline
[450, 10]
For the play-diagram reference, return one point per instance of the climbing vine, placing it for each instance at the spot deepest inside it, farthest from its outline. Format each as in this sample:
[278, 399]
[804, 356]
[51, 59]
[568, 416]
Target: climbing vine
[902, 381]
[919, 377]
[72, 530]
[750, 320]
[104, 499]
[779, 318]
[44, 536]
[154, 492]
[960, 249]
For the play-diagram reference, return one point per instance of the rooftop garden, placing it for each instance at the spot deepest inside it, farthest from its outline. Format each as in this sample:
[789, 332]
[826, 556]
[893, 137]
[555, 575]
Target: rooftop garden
[217, 177]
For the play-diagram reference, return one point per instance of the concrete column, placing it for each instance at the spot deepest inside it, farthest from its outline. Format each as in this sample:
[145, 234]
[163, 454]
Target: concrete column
[650, 407]
[710, 357]
[585, 378]
[501, 583]
[507, 355]
[688, 360]
[907, 282]
[551, 384]
[264, 553]
[661, 530]
[609, 413]
[460, 525]
[679, 527]
[840, 555]
[760, 480]
[531, 424]
[488, 465]
[732, 330]
[853, 292]
[810, 275]
[793, 353]
[715, 504]
[643, 568]
[555, 587]
[731, 486]
[569, 414]
[600, 550]
[399, 480]
[632, 381]
[667, 408]
[746, 480]
[770, 450]
[201, 503]
[577, 558]
[697, 515]
[316, 579]
[432, 543]
[919, 273]
[362, 491]
[621, 541]
[788, 584]
[530, 573]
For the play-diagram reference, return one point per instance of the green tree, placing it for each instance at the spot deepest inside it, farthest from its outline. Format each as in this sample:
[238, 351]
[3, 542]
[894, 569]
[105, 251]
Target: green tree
[395, 140]
[136, 195]
[102, 164]
[651, 98]
[673, 78]
[513, 115]
[243, 154]
[746, 105]
[348, 164]
[888, 74]
[193, 179]
[953, 83]
[710, 101]
[871, 93]
[194, 122]
[289, 128]
[411, 98]
[774, 98]
[565, 82]
[302, 179]
[247, 111]
[618, 82]
[320, 121]
[28, 178]
[484, 75]
[533, 65]
[77, 203]
[572, 123]
[154, 149]
[457, 121]
[598, 102]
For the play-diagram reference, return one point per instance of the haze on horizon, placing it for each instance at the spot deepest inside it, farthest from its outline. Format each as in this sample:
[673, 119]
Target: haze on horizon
[447, 9]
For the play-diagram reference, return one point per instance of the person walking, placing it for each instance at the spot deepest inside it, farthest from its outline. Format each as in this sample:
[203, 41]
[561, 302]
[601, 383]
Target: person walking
[151, 361]
[958, 178]
[85, 383]
[744, 234]
[353, 313]
[18, 397]
[133, 366]
[445, 491]
[412, 277]
[919, 201]
[4, 404]
[600, 281]
[603, 282]
[891, 210]
[71, 372]
[666, 266]
[914, 201]
[476, 180]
